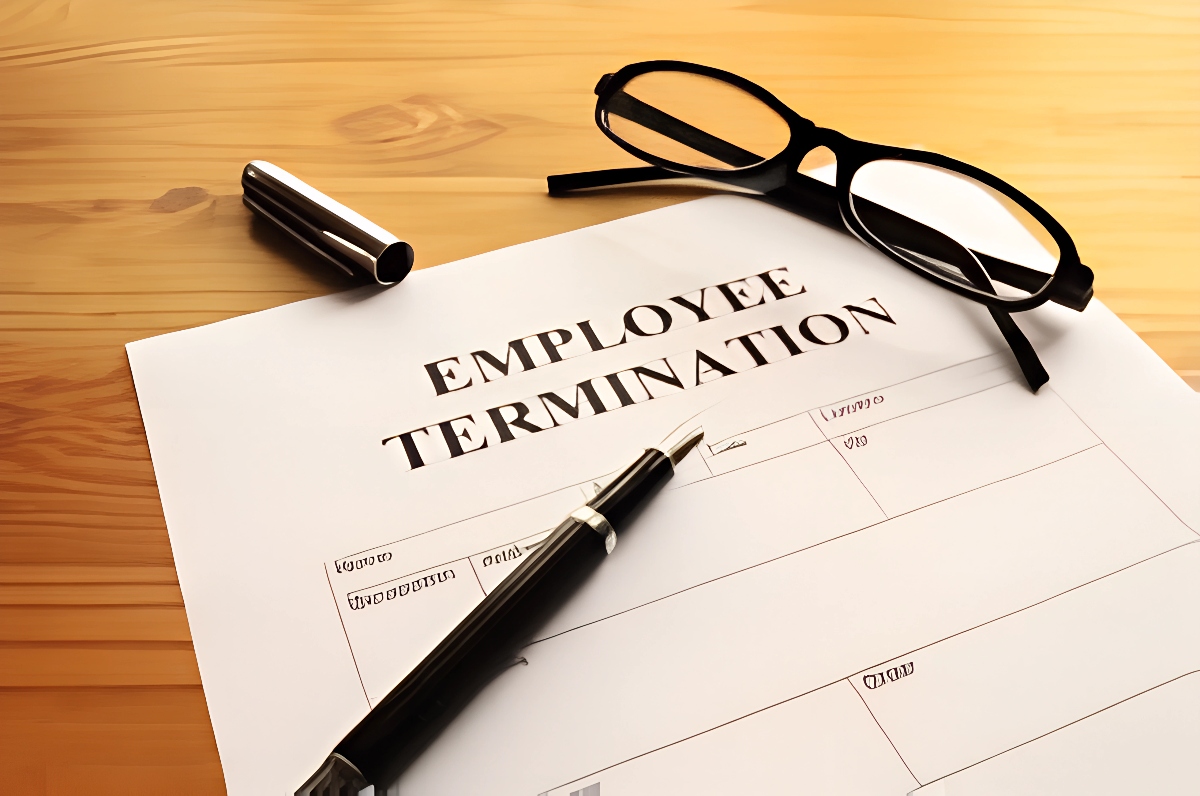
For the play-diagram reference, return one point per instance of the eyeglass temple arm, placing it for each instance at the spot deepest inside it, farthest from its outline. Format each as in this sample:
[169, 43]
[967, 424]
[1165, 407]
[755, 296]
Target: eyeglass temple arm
[940, 251]
[903, 232]
[817, 201]
[562, 184]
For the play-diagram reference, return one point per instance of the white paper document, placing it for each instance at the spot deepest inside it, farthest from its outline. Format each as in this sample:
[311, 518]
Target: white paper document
[889, 567]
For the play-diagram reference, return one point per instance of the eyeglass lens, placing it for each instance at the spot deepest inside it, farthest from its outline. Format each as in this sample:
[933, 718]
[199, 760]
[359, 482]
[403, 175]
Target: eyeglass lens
[695, 121]
[983, 233]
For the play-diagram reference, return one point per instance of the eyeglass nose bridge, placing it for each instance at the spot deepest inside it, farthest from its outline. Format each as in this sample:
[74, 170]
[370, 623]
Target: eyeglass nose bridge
[804, 141]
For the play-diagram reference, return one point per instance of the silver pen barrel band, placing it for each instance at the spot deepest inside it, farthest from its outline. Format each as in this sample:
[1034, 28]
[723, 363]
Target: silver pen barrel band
[589, 516]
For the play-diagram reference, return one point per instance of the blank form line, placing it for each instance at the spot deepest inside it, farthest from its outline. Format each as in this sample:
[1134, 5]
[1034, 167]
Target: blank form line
[337, 607]
[1052, 597]
[854, 472]
[858, 478]
[844, 433]
[464, 519]
[882, 730]
[696, 734]
[810, 410]
[1068, 724]
[1123, 463]
[806, 548]
[476, 574]
[900, 655]
[744, 466]
[924, 408]
[827, 437]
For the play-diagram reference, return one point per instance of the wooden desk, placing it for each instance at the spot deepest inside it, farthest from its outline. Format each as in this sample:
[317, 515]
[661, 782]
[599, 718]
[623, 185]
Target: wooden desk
[123, 129]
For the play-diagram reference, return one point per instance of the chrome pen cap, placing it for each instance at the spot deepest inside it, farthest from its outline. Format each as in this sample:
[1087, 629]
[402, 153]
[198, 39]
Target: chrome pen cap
[325, 226]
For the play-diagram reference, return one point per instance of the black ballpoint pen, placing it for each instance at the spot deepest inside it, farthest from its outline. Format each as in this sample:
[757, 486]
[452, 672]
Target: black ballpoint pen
[484, 643]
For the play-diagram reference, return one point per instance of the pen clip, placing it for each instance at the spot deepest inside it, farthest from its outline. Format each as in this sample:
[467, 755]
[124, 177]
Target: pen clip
[589, 516]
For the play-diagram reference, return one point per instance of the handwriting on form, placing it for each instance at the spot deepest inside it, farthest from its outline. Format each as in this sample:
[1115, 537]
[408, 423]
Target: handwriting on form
[413, 586]
[889, 676]
[724, 447]
[853, 442]
[507, 554]
[850, 408]
[351, 564]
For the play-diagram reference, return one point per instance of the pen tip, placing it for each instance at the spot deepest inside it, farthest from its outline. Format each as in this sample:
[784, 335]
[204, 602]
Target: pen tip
[681, 448]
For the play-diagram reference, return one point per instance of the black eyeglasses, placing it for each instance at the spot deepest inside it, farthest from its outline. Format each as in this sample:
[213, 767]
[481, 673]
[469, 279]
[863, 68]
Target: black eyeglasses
[696, 121]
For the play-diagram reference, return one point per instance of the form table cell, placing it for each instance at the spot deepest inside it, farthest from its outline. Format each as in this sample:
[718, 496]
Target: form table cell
[932, 454]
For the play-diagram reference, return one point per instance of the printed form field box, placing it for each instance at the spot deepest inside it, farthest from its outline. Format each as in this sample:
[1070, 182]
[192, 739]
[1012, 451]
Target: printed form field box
[924, 456]
[1082, 652]
[1146, 744]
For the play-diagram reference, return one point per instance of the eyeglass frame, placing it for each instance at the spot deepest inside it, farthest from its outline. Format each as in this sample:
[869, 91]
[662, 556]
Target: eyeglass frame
[1069, 285]
[778, 178]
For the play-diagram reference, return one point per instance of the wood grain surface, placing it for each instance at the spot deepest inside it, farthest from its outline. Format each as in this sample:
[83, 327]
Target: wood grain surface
[124, 125]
